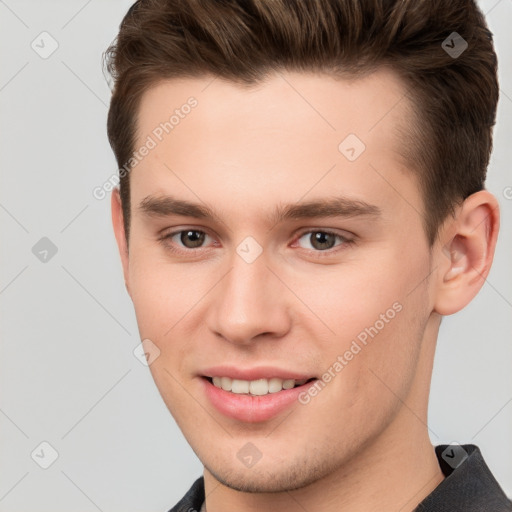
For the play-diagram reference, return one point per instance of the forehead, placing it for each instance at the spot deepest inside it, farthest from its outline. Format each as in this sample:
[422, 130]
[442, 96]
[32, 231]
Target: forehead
[282, 136]
[368, 106]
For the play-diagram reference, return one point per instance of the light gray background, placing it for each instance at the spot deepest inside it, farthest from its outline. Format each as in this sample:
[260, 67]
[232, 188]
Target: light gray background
[68, 331]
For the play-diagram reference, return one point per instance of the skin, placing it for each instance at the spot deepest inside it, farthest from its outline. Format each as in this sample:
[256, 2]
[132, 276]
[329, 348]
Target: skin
[362, 443]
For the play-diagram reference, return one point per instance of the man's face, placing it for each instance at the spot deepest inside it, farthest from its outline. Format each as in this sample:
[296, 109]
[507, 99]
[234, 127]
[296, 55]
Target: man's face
[250, 294]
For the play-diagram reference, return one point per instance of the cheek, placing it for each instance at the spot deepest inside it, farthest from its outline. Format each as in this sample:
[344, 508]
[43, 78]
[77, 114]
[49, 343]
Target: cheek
[352, 298]
[377, 320]
[167, 300]
[162, 293]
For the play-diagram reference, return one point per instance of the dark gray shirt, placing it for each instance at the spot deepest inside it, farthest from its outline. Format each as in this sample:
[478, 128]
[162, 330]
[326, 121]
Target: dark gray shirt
[469, 486]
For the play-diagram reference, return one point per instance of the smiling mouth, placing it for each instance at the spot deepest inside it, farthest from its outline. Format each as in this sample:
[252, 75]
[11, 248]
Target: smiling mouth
[257, 387]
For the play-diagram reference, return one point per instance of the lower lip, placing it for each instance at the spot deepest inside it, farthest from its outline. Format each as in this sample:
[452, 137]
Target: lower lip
[250, 408]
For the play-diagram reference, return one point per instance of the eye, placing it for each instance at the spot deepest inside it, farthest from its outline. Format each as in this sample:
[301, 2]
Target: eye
[188, 238]
[321, 240]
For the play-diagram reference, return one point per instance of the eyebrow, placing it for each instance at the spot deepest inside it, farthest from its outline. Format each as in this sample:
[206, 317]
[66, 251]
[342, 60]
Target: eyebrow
[164, 206]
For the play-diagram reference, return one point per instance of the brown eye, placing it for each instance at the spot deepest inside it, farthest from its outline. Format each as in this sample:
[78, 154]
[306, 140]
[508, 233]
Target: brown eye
[320, 240]
[192, 238]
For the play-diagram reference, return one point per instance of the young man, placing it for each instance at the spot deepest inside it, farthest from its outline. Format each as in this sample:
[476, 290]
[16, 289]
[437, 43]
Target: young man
[301, 201]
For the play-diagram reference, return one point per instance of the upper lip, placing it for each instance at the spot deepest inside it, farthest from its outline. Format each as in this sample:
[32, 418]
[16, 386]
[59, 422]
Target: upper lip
[258, 372]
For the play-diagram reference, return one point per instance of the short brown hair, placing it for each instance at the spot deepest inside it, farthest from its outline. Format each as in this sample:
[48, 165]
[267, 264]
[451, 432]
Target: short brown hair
[454, 97]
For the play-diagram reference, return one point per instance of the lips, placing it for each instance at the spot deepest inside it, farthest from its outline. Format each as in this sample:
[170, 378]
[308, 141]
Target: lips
[253, 395]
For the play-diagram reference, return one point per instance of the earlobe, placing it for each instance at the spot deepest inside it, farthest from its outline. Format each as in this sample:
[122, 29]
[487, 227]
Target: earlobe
[119, 232]
[465, 252]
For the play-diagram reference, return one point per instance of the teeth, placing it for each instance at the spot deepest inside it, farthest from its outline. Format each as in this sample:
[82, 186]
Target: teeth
[226, 383]
[256, 387]
[239, 386]
[275, 385]
[288, 384]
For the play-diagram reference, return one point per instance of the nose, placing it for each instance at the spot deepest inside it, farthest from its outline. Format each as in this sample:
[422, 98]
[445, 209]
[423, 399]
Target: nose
[249, 303]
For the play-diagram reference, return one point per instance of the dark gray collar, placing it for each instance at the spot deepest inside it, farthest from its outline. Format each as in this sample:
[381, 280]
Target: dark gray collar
[469, 485]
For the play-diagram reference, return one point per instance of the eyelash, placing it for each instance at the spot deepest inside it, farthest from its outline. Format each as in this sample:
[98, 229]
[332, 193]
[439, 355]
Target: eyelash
[345, 242]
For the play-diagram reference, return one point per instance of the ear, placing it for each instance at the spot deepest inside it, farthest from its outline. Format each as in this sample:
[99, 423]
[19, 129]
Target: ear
[119, 232]
[465, 251]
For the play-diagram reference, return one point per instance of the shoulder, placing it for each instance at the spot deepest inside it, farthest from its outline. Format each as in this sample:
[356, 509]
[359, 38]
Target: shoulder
[468, 486]
[193, 499]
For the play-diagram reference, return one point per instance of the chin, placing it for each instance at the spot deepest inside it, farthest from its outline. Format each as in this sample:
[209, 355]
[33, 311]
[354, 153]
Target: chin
[270, 479]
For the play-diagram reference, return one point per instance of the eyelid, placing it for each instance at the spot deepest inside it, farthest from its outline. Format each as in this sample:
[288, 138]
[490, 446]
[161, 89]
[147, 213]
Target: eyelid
[346, 236]
[345, 240]
[165, 237]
